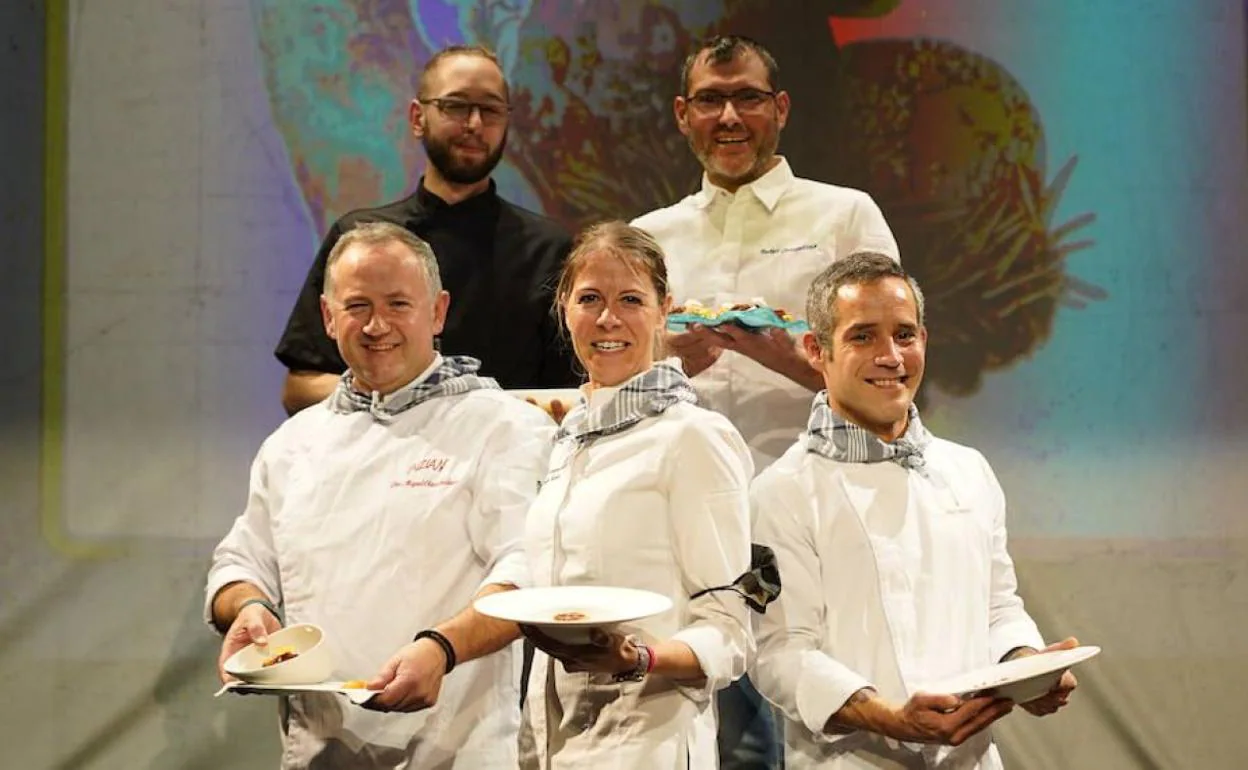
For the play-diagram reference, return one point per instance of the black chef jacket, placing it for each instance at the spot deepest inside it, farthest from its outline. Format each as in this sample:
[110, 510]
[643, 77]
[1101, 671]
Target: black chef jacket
[500, 264]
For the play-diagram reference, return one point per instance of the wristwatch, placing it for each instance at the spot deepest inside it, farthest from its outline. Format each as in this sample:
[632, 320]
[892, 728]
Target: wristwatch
[645, 662]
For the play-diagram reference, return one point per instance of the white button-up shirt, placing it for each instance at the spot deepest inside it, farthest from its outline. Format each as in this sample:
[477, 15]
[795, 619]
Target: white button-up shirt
[892, 578]
[662, 506]
[376, 531]
[768, 240]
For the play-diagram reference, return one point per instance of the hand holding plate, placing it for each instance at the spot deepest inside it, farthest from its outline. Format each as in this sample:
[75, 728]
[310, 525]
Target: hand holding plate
[607, 652]
[411, 680]
[1060, 694]
[698, 347]
[253, 624]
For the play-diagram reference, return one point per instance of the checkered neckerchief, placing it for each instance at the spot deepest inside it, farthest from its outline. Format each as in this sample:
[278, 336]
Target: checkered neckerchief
[835, 438]
[646, 395]
[455, 375]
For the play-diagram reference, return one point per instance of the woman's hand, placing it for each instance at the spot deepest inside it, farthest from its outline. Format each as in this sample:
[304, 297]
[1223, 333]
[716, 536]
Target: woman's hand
[607, 652]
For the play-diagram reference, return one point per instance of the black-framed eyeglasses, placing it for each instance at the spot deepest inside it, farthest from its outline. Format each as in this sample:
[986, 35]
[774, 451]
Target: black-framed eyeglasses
[460, 110]
[744, 101]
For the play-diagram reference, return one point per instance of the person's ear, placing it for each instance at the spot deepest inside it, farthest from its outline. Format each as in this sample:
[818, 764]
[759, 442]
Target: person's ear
[814, 351]
[680, 108]
[416, 118]
[327, 318]
[440, 305]
[782, 108]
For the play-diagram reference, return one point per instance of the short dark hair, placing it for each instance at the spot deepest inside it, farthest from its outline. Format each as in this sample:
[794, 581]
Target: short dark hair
[722, 49]
[479, 51]
[858, 268]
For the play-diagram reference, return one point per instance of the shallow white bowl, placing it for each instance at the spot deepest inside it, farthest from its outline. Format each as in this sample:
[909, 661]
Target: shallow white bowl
[601, 607]
[313, 664]
[1021, 680]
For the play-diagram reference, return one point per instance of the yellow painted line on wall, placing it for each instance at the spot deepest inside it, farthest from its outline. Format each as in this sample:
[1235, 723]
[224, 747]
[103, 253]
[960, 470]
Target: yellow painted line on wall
[52, 401]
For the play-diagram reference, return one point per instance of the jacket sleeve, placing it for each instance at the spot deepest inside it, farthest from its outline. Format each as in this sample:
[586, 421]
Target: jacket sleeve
[792, 669]
[709, 504]
[506, 483]
[246, 553]
[1009, 625]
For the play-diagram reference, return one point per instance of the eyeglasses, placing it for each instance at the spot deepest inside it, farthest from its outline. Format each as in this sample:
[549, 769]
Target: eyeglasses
[746, 101]
[460, 110]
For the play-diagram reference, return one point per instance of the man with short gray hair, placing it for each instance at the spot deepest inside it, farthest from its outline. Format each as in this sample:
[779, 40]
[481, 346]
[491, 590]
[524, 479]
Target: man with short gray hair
[379, 514]
[892, 544]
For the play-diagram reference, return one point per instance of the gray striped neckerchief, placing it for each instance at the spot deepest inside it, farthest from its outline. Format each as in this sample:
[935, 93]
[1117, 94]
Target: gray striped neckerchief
[452, 376]
[645, 395]
[834, 437]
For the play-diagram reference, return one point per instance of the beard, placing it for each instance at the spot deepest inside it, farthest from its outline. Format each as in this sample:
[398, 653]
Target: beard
[439, 153]
[763, 154]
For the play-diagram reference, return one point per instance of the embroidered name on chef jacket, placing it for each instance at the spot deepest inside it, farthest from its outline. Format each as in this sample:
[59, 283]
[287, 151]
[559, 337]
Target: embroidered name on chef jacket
[790, 249]
[430, 471]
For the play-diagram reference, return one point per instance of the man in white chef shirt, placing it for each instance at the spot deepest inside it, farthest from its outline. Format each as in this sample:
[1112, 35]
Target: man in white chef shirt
[378, 515]
[753, 231]
[892, 546]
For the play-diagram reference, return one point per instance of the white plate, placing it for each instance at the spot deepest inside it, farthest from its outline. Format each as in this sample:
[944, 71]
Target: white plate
[596, 606]
[1021, 680]
[354, 694]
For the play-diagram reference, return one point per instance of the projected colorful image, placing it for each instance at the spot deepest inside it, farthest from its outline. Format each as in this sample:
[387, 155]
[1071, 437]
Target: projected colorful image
[943, 138]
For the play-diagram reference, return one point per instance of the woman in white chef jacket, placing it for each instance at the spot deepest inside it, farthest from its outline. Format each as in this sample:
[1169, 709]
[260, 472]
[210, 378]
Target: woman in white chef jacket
[645, 490]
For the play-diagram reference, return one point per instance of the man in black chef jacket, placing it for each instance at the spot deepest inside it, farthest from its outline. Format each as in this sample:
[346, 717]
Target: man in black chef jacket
[498, 261]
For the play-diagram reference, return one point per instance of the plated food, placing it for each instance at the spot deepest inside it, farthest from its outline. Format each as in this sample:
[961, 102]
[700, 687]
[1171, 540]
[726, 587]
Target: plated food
[755, 314]
[563, 606]
[293, 655]
[280, 655]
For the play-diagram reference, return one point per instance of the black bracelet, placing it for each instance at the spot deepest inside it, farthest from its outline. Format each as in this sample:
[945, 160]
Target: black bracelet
[268, 605]
[442, 642]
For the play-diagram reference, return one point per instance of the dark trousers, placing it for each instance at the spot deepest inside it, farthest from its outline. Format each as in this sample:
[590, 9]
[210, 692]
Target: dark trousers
[749, 738]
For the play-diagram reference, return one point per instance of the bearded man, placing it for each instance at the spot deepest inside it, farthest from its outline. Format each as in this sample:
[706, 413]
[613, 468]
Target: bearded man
[498, 261]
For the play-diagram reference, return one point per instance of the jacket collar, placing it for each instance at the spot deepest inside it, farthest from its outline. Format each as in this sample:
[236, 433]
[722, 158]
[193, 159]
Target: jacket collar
[768, 188]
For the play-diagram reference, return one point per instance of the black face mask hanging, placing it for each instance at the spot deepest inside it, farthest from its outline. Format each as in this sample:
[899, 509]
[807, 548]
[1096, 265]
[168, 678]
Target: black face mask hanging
[760, 585]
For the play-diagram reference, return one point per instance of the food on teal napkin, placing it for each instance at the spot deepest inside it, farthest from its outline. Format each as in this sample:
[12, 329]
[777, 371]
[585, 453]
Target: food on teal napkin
[754, 315]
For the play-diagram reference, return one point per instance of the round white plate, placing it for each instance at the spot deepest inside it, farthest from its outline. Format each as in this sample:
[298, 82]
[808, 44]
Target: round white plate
[1020, 680]
[595, 605]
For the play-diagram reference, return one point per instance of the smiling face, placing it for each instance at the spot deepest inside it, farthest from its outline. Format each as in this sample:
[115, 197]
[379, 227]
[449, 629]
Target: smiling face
[735, 140]
[462, 150]
[613, 314]
[874, 363]
[381, 312]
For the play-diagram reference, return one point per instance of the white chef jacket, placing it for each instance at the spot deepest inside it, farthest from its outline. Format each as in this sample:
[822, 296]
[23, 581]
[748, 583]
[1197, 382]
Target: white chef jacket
[892, 578]
[768, 241]
[662, 506]
[376, 531]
